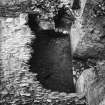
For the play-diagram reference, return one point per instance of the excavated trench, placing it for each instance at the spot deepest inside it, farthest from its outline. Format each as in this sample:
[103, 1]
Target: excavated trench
[51, 58]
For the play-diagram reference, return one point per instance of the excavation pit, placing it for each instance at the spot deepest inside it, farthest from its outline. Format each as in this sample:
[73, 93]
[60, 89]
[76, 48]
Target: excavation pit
[51, 58]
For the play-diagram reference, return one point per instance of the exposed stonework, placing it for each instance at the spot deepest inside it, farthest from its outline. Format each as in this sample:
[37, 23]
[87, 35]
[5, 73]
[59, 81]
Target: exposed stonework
[91, 44]
[18, 84]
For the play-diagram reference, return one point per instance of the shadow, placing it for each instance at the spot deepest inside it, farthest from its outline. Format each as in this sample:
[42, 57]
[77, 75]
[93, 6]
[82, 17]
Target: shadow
[51, 58]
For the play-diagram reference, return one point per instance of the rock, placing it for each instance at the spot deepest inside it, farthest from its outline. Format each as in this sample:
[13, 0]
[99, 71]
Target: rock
[84, 80]
[92, 86]
[96, 92]
[91, 33]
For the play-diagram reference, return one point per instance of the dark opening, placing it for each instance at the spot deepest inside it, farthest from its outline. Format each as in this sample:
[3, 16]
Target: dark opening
[64, 18]
[76, 5]
[51, 59]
